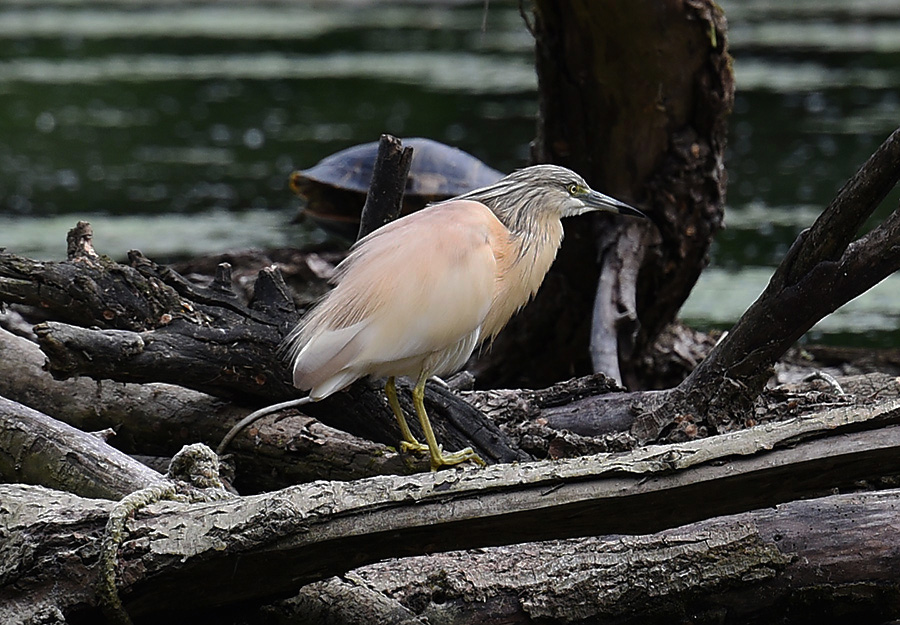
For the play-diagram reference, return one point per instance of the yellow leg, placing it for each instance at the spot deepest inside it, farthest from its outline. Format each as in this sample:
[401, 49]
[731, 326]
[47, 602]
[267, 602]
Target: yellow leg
[438, 457]
[409, 442]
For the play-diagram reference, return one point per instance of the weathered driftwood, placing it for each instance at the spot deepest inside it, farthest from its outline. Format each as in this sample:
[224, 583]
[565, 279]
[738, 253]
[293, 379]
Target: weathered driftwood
[195, 557]
[805, 561]
[159, 419]
[88, 289]
[544, 422]
[35, 449]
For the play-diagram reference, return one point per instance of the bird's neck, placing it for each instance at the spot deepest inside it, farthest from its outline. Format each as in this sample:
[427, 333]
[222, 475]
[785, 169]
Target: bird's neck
[537, 237]
[527, 259]
[539, 245]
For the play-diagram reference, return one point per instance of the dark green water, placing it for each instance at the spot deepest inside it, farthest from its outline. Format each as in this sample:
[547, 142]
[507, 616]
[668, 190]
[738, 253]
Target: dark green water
[172, 126]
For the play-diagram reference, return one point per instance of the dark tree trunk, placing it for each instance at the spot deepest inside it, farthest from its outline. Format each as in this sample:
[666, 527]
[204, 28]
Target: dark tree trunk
[634, 96]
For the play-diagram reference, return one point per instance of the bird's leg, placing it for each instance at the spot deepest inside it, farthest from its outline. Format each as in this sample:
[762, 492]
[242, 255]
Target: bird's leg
[438, 457]
[409, 442]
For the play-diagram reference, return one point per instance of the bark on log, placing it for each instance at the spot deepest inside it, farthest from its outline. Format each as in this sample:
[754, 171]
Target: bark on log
[159, 419]
[220, 361]
[827, 560]
[35, 449]
[193, 557]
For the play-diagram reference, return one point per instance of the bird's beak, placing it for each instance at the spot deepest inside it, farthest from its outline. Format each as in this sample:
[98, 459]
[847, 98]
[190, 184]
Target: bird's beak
[597, 201]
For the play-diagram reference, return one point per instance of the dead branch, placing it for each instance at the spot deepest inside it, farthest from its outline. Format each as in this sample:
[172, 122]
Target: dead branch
[39, 450]
[823, 270]
[159, 419]
[385, 198]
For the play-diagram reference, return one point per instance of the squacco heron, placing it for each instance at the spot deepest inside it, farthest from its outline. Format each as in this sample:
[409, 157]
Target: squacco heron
[417, 296]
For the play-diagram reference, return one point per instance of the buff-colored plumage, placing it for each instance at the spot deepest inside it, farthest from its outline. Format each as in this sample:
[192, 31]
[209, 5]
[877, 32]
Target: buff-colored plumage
[418, 296]
[387, 318]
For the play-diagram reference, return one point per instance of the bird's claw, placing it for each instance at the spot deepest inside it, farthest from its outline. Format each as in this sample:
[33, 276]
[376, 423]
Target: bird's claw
[455, 457]
[413, 447]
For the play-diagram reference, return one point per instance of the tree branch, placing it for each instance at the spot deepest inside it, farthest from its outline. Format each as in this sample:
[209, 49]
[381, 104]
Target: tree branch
[835, 228]
[821, 272]
[159, 419]
[35, 449]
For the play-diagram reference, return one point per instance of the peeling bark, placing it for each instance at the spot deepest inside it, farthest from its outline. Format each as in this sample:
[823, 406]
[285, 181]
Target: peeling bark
[823, 560]
[35, 449]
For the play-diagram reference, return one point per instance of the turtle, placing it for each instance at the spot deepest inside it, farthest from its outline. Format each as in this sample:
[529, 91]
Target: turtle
[335, 188]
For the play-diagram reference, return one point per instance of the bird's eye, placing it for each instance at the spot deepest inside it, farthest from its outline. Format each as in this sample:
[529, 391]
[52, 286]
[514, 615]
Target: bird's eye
[572, 189]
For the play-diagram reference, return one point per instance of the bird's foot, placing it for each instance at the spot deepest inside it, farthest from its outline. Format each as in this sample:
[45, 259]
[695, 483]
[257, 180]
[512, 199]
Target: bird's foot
[413, 446]
[451, 458]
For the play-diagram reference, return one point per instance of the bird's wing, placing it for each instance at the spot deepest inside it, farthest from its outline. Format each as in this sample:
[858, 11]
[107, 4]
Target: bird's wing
[417, 286]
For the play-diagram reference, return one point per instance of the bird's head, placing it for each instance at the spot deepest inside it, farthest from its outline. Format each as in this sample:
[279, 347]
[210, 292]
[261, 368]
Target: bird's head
[566, 192]
[538, 191]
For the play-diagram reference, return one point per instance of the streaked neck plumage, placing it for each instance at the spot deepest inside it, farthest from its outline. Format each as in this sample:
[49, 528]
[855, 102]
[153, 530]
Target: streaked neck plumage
[535, 237]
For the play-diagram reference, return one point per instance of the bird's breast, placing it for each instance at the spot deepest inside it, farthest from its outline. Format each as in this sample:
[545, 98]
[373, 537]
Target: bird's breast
[523, 263]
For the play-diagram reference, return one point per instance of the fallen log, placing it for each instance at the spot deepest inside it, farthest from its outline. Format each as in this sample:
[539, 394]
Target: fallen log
[182, 557]
[39, 450]
[827, 560]
[158, 419]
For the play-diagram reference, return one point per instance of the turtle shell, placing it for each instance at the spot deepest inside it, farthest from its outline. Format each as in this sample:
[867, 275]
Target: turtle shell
[335, 188]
